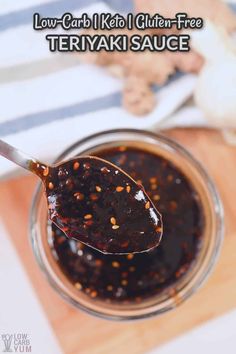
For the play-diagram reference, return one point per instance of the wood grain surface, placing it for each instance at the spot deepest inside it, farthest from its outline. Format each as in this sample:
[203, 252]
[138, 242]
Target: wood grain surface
[79, 333]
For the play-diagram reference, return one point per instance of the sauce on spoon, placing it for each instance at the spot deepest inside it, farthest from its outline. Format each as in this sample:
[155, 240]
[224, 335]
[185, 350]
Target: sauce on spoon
[95, 202]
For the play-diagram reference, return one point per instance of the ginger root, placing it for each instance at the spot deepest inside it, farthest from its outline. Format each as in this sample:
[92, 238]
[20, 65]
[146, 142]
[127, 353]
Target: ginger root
[141, 70]
[138, 97]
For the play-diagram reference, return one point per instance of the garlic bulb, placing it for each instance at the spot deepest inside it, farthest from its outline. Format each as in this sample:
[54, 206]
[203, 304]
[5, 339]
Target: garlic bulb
[215, 92]
[230, 136]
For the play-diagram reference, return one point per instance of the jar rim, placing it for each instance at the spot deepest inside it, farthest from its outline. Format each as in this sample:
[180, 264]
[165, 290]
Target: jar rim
[200, 278]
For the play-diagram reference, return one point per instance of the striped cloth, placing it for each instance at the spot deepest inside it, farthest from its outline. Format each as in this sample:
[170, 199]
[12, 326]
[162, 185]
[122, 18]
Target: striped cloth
[50, 100]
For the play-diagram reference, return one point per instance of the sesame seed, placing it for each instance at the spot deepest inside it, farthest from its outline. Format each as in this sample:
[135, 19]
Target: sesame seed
[79, 196]
[98, 189]
[78, 286]
[50, 185]
[153, 180]
[93, 294]
[93, 197]
[119, 189]
[115, 227]
[115, 264]
[46, 172]
[132, 269]
[98, 262]
[130, 256]
[156, 197]
[113, 221]
[89, 222]
[88, 216]
[147, 205]
[128, 189]
[76, 166]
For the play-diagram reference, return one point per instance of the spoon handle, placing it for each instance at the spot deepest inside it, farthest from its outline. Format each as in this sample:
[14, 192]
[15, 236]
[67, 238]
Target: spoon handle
[19, 157]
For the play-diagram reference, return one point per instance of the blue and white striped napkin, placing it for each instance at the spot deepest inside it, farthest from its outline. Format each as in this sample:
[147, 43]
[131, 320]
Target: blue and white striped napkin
[50, 100]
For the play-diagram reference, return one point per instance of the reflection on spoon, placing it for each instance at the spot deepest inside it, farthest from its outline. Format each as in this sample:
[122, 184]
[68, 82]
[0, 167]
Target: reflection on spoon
[95, 202]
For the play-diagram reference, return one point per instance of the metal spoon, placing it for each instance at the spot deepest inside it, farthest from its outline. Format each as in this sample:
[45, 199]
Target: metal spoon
[95, 202]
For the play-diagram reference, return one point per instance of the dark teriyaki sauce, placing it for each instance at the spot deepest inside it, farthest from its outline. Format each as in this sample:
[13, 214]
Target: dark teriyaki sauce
[133, 277]
[95, 202]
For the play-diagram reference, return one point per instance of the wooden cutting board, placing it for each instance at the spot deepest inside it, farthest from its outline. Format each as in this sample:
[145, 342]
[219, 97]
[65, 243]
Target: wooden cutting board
[79, 333]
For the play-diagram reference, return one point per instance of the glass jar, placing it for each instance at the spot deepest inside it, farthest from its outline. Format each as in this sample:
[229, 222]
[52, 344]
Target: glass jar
[189, 282]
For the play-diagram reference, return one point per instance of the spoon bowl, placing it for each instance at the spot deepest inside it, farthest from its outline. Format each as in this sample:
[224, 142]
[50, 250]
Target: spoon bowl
[95, 202]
